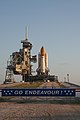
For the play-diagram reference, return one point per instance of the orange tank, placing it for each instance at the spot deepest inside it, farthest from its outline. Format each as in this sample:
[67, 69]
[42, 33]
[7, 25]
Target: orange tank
[42, 51]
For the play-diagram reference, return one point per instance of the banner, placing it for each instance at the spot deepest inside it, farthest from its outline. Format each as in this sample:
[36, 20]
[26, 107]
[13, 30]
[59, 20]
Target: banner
[38, 92]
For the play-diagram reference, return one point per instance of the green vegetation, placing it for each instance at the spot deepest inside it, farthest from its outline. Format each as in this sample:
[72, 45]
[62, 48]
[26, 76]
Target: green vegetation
[27, 85]
[4, 99]
[42, 101]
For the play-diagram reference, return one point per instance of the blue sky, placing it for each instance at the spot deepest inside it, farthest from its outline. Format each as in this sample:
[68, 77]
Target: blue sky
[54, 24]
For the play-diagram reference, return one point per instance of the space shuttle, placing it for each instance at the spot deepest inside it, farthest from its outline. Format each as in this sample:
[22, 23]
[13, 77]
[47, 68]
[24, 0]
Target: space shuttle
[42, 62]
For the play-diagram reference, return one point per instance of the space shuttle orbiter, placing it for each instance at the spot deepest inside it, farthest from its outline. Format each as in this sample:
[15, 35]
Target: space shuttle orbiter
[42, 62]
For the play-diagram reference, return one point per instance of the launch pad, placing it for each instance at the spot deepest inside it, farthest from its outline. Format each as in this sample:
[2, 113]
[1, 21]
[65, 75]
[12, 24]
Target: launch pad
[19, 63]
[40, 78]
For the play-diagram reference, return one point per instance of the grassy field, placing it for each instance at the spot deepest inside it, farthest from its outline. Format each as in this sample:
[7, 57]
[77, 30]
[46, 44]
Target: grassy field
[27, 85]
[40, 100]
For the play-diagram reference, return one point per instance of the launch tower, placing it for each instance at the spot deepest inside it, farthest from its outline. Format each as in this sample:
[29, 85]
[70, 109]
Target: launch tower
[20, 62]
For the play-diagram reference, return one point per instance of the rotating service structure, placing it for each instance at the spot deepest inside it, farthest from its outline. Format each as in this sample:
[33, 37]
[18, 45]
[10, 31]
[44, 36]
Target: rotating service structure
[20, 62]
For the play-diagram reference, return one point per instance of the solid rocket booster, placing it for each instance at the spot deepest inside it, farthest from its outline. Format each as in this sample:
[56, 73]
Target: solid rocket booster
[42, 62]
[46, 57]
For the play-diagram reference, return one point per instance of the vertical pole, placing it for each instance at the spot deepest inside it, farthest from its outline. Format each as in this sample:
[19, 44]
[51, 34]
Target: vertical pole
[68, 77]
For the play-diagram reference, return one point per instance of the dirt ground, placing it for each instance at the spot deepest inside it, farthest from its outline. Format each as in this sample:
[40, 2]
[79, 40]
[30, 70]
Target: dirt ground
[33, 111]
